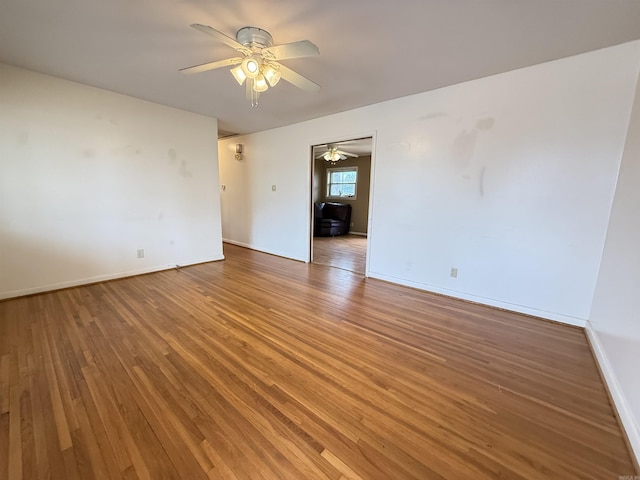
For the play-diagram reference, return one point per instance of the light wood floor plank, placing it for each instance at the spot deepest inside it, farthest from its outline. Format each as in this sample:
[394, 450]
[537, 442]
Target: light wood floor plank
[343, 251]
[259, 367]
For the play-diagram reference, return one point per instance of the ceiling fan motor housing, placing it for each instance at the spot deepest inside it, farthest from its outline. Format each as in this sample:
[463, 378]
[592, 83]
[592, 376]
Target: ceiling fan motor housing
[254, 37]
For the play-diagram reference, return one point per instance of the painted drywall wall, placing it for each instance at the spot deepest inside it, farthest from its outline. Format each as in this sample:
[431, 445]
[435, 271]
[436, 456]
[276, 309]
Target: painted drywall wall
[614, 323]
[88, 177]
[508, 178]
[265, 203]
[359, 206]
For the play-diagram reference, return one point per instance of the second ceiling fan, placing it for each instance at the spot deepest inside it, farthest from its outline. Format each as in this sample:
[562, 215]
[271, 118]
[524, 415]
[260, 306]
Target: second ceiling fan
[333, 154]
[259, 66]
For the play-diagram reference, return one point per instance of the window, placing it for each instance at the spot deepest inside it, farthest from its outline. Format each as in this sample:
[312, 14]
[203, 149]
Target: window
[342, 182]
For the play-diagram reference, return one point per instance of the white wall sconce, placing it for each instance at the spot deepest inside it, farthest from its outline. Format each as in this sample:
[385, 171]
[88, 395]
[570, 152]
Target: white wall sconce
[238, 151]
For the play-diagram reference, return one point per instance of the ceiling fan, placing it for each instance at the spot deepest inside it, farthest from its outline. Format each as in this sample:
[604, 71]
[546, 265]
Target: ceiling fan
[333, 154]
[259, 64]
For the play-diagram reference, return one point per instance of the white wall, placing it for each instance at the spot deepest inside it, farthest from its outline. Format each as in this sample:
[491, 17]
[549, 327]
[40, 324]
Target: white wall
[614, 324]
[509, 178]
[255, 216]
[87, 177]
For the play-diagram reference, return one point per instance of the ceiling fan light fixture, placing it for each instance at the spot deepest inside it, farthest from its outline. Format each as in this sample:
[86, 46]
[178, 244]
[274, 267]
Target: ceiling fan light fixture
[238, 74]
[258, 68]
[250, 67]
[260, 84]
[332, 156]
[272, 74]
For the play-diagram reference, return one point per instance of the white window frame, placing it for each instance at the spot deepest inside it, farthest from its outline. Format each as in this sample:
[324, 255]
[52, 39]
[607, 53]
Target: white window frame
[330, 170]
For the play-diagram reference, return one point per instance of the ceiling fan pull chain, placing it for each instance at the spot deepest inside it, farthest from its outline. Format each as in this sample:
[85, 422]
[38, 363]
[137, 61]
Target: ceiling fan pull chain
[251, 94]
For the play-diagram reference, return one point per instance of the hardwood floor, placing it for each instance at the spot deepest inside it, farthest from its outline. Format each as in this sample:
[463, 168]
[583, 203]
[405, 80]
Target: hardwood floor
[258, 367]
[344, 251]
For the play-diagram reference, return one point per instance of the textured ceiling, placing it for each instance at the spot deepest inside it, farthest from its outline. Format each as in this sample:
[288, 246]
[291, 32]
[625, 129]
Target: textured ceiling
[370, 51]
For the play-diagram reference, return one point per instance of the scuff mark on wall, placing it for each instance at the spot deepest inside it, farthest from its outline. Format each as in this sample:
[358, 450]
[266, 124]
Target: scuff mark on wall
[485, 123]
[464, 146]
[100, 117]
[431, 116]
[481, 178]
[184, 171]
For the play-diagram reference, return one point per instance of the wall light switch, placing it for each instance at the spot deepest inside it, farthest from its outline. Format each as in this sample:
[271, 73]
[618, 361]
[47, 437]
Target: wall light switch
[273, 188]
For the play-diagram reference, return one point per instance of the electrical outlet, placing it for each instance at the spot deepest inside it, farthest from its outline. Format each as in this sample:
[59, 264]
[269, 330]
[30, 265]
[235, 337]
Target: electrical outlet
[273, 188]
[141, 253]
[454, 272]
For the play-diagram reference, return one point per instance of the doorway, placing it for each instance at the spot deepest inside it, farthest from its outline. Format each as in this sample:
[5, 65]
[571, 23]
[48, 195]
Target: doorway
[340, 196]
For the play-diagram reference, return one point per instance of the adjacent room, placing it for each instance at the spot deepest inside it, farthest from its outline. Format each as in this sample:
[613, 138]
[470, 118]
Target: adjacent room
[340, 188]
[319, 240]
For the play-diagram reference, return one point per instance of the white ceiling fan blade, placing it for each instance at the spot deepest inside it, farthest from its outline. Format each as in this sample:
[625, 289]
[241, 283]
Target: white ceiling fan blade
[303, 48]
[298, 80]
[346, 153]
[211, 65]
[212, 32]
[321, 155]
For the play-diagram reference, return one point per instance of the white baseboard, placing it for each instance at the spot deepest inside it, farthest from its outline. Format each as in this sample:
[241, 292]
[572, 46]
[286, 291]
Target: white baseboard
[258, 249]
[358, 233]
[97, 278]
[240, 244]
[620, 403]
[556, 317]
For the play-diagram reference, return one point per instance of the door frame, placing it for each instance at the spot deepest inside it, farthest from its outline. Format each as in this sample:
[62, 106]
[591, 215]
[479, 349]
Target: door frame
[337, 139]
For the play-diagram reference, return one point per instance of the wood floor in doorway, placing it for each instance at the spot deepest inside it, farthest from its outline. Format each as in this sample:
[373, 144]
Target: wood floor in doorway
[343, 251]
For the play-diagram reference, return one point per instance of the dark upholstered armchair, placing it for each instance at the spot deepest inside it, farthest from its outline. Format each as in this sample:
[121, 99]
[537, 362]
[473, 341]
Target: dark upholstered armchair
[331, 219]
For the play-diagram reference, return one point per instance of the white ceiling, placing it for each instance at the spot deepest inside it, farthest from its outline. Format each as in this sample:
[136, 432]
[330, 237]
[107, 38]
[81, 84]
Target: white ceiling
[370, 50]
[358, 146]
